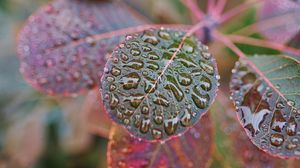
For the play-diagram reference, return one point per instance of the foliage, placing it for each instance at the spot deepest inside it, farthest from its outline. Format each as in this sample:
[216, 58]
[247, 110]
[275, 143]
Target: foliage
[157, 70]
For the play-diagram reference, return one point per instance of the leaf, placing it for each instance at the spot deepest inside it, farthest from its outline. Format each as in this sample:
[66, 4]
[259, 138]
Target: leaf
[62, 46]
[152, 93]
[193, 149]
[243, 150]
[282, 18]
[269, 111]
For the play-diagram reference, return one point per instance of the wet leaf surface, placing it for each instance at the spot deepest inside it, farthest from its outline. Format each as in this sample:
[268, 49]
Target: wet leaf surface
[193, 149]
[153, 95]
[244, 152]
[282, 19]
[269, 114]
[62, 46]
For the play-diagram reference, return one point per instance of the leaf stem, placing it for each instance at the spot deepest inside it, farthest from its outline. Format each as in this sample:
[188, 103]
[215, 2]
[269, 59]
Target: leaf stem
[238, 9]
[220, 6]
[265, 24]
[194, 9]
[227, 42]
[263, 43]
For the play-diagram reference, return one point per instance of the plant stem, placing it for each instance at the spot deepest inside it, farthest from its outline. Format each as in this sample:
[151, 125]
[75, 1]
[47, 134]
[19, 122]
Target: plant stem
[233, 12]
[220, 6]
[194, 9]
[263, 43]
[227, 42]
[266, 24]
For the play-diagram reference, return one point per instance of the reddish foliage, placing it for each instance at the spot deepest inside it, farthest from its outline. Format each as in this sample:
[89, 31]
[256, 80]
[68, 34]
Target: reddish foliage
[192, 149]
[61, 47]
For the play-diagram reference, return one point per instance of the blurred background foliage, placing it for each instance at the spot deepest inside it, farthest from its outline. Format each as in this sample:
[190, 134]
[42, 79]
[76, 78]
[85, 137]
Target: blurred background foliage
[45, 132]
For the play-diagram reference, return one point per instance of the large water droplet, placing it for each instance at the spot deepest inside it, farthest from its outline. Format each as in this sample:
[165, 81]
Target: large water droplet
[161, 100]
[156, 133]
[115, 71]
[276, 139]
[170, 125]
[209, 69]
[135, 64]
[278, 122]
[145, 125]
[130, 81]
[291, 127]
[184, 79]
[113, 101]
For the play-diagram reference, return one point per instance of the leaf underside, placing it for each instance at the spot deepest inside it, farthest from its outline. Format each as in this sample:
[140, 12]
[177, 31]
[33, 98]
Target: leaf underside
[193, 149]
[60, 48]
[284, 18]
[269, 115]
[154, 102]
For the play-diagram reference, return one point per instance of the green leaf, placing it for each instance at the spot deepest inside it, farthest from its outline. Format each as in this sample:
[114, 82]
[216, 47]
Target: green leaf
[158, 83]
[268, 99]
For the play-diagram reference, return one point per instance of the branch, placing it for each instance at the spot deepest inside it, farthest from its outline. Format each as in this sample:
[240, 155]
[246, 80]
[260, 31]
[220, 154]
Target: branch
[227, 42]
[263, 43]
[233, 12]
[194, 9]
[266, 24]
[220, 6]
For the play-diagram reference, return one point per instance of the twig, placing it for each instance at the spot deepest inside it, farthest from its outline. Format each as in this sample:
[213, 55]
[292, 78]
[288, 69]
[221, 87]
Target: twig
[194, 9]
[227, 42]
[263, 43]
[233, 12]
[220, 6]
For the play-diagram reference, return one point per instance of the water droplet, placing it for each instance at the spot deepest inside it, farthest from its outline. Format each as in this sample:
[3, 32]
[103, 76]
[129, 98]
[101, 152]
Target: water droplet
[128, 112]
[201, 101]
[145, 125]
[291, 145]
[130, 81]
[156, 133]
[145, 110]
[184, 79]
[149, 37]
[276, 139]
[170, 125]
[152, 65]
[291, 103]
[186, 118]
[278, 122]
[205, 83]
[114, 101]
[146, 48]
[175, 89]
[291, 127]
[158, 119]
[115, 71]
[110, 79]
[112, 87]
[153, 56]
[135, 52]
[164, 35]
[206, 55]
[135, 64]
[126, 121]
[209, 69]
[280, 105]
[161, 100]
[269, 93]
[124, 57]
[135, 99]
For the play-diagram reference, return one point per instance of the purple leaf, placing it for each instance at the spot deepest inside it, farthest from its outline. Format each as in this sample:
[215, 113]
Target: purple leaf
[158, 85]
[193, 149]
[283, 18]
[63, 46]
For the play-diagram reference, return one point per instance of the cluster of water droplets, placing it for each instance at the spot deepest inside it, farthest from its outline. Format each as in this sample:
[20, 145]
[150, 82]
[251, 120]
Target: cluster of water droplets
[58, 49]
[271, 120]
[154, 102]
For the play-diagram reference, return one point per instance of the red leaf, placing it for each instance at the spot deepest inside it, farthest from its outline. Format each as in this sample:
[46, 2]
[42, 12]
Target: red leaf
[62, 46]
[193, 149]
[283, 16]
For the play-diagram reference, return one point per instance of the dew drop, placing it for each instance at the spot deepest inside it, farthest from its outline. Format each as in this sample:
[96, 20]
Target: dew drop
[170, 125]
[135, 52]
[156, 133]
[291, 127]
[115, 71]
[145, 125]
[209, 69]
[276, 139]
[164, 35]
